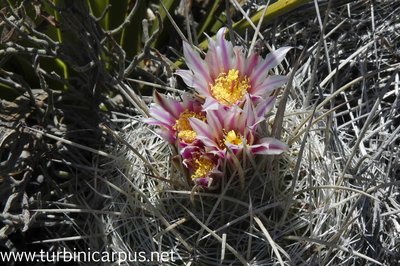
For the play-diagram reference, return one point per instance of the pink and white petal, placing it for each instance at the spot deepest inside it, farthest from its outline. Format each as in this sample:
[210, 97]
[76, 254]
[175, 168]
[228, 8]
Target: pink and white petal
[203, 182]
[269, 84]
[159, 120]
[167, 134]
[193, 81]
[233, 147]
[239, 122]
[213, 120]
[216, 151]
[276, 57]
[251, 64]
[220, 113]
[211, 104]
[188, 154]
[187, 76]
[209, 144]
[212, 62]
[271, 60]
[250, 137]
[265, 106]
[186, 99]
[201, 128]
[161, 115]
[195, 63]
[269, 146]
[170, 105]
[239, 62]
[226, 50]
[232, 118]
[197, 107]
[202, 87]
[212, 59]
[191, 103]
[152, 121]
[256, 99]
[249, 114]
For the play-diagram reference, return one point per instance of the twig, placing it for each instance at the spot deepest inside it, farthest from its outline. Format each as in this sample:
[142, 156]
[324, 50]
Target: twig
[146, 49]
[127, 20]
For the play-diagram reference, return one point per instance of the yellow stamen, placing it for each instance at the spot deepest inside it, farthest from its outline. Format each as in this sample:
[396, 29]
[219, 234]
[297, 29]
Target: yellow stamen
[203, 166]
[230, 88]
[183, 127]
[187, 136]
[233, 138]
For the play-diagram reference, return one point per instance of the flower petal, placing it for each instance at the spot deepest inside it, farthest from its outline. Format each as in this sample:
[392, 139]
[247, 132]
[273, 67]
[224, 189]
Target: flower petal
[212, 59]
[269, 84]
[275, 58]
[270, 146]
[187, 76]
[195, 63]
[211, 104]
[210, 145]
[191, 103]
[166, 134]
[265, 106]
[159, 116]
[239, 61]
[251, 63]
[232, 118]
[215, 121]
[189, 153]
[203, 182]
[226, 50]
[193, 81]
[201, 128]
[170, 105]
[271, 60]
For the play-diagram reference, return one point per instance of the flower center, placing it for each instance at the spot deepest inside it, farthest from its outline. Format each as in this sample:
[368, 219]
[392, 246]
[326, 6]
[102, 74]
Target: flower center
[183, 127]
[233, 138]
[202, 166]
[230, 88]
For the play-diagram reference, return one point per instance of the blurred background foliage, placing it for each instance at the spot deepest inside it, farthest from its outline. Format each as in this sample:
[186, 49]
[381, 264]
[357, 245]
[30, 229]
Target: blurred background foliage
[130, 23]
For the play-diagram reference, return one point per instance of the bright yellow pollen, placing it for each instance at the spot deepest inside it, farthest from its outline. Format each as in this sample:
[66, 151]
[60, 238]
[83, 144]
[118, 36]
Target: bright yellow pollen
[230, 88]
[233, 138]
[183, 127]
[203, 166]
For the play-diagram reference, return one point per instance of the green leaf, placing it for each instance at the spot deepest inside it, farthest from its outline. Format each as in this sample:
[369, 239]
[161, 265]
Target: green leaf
[117, 14]
[274, 10]
[170, 5]
[131, 36]
[97, 7]
[8, 93]
[210, 19]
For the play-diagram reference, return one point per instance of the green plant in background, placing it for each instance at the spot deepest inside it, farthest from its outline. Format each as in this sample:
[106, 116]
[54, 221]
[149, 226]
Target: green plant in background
[124, 21]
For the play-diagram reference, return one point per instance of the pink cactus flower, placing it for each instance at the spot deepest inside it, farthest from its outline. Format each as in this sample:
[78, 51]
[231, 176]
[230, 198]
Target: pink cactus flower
[233, 96]
[234, 129]
[172, 117]
[226, 75]
[203, 167]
